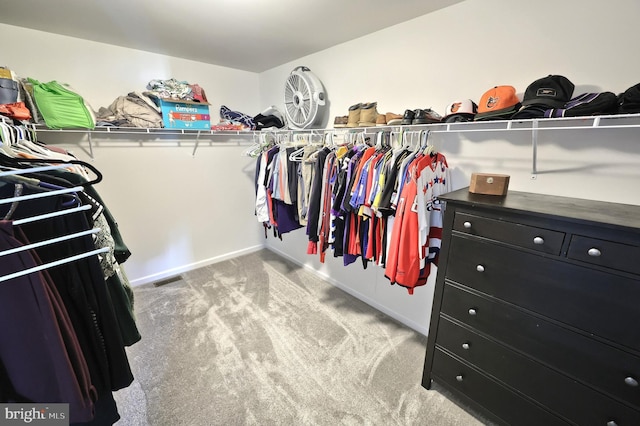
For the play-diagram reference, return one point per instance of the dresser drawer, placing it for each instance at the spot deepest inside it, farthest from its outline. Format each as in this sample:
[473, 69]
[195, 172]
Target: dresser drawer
[588, 299]
[618, 256]
[539, 239]
[502, 402]
[601, 366]
[557, 392]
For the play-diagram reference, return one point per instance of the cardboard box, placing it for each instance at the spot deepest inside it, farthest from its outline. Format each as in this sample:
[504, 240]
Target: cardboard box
[489, 184]
[178, 114]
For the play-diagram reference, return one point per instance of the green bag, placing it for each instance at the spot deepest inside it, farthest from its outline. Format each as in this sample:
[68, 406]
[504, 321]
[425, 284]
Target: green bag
[61, 107]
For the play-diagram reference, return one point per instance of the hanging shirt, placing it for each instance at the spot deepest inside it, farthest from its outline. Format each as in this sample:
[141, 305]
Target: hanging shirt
[262, 208]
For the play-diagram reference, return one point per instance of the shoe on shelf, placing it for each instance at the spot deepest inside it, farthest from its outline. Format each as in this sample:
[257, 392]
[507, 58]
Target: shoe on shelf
[354, 115]
[368, 115]
[270, 118]
[267, 122]
[341, 121]
[273, 110]
[408, 117]
[393, 119]
[426, 116]
[381, 120]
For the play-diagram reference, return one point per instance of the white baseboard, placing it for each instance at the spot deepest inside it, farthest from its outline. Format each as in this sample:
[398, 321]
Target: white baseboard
[393, 314]
[191, 266]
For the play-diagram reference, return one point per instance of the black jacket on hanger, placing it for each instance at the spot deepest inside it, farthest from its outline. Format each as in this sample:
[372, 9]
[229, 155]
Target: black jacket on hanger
[82, 288]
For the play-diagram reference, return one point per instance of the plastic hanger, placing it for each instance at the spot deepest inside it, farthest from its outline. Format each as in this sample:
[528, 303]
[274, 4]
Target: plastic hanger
[265, 141]
[298, 154]
[424, 143]
[21, 162]
[52, 264]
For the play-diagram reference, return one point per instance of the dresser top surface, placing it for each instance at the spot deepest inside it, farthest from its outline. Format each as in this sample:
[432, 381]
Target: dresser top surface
[577, 209]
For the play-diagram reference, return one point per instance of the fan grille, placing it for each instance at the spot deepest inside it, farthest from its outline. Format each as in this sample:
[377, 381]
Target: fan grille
[300, 108]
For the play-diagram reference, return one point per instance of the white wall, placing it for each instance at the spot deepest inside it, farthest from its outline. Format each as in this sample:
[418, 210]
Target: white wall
[460, 52]
[175, 211]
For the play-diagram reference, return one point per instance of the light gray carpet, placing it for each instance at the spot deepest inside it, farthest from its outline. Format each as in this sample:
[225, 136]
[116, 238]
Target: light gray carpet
[258, 340]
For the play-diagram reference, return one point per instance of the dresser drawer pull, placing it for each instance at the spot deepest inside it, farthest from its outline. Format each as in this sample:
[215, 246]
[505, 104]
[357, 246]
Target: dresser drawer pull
[467, 225]
[594, 252]
[466, 346]
[480, 268]
[631, 382]
[459, 378]
[612, 423]
[472, 312]
[538, 240]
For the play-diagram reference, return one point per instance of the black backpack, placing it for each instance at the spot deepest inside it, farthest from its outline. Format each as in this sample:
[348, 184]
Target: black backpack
[629, 100]
[586, 104]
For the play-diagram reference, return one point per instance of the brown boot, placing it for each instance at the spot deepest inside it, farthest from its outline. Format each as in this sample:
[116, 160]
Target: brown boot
[381, 120]
[354, 115]
[393, 119]
[368, 115]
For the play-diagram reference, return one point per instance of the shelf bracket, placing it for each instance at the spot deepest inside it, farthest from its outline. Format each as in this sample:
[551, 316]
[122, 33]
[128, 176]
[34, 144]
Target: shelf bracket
[195, 147]
[90, 145]
[534, 149]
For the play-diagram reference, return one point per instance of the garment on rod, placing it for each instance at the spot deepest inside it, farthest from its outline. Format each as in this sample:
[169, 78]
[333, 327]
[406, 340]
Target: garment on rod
[81, 311]
[373, 203]
[39, 349]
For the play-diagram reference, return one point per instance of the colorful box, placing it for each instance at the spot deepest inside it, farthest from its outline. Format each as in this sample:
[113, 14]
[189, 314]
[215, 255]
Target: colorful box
[180, 114]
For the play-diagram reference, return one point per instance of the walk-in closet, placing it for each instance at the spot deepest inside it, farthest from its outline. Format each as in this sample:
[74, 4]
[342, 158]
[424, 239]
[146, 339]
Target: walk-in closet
[319, 269]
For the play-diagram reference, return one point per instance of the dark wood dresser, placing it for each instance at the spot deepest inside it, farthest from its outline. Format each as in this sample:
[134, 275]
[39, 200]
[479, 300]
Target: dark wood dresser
[536, 313]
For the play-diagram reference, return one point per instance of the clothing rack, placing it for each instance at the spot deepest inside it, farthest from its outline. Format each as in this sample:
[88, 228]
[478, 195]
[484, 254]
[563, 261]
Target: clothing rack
[46, 216]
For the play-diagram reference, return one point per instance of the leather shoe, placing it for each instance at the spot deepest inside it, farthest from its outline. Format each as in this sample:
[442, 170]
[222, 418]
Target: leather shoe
[408, 117]
[426, 116]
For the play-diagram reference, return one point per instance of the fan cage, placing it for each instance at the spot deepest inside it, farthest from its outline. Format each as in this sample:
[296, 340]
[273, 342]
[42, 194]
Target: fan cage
[303, 95]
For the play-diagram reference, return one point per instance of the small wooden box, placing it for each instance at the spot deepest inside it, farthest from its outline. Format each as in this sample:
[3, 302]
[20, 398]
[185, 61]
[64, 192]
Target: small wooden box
[489, 184]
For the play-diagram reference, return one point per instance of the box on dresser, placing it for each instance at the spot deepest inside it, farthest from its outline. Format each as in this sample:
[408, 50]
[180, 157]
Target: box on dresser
[535, 310]
[489, 184]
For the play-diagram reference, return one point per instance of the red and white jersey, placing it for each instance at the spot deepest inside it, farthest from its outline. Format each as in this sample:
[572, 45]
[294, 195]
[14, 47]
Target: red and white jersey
[433, 181]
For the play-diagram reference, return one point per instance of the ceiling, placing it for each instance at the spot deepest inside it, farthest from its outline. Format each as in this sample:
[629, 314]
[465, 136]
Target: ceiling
[251, 35]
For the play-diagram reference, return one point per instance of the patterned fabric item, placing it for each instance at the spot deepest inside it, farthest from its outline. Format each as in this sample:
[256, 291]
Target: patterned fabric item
[238, 117]
[197, 93]
[171, 89]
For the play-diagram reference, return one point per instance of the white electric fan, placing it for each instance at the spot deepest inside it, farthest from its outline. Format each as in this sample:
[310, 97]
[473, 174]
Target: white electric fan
[304, 99]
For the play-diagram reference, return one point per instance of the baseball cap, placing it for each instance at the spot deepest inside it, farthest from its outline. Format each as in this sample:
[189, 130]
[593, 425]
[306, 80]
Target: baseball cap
[552, 90]
[463, 110]
[497, 103]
